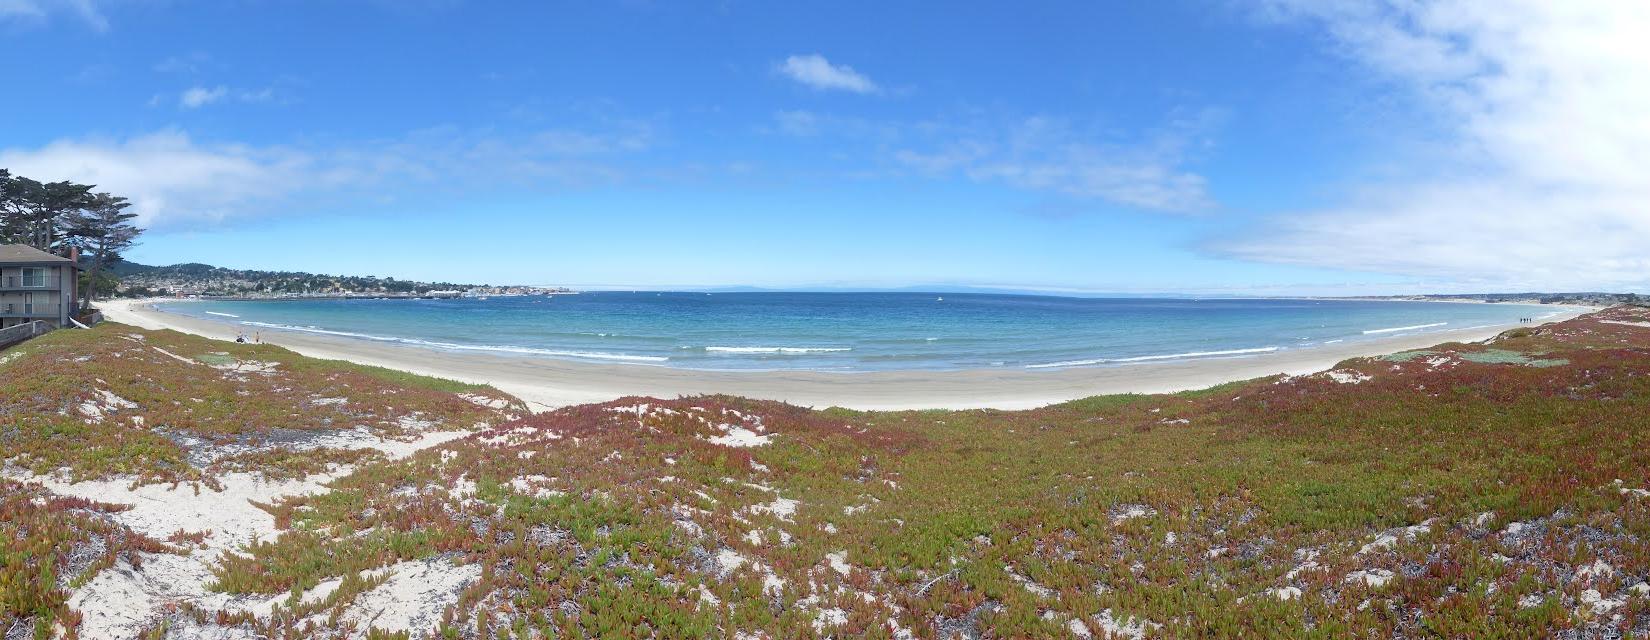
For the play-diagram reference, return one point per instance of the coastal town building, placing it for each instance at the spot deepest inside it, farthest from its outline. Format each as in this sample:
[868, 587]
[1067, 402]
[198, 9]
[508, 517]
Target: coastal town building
[35, 285]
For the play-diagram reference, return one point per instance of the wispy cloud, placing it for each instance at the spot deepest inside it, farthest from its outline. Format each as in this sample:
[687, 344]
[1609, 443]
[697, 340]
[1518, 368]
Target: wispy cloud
[93, 74]
[797, 123]
[38, 11]
[1070, 164]
[21, 9]
[196, 97]
[1542, 181]
[815, 71]
[802, 123]
[1052, 155]
[175, 180]
[192, 62]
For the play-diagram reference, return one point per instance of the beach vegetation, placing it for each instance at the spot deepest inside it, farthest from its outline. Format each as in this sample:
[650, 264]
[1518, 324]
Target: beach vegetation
[1465, 490]
[162, 406]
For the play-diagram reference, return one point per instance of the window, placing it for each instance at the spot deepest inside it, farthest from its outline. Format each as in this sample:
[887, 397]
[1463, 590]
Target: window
[28, 303]
[34, 277]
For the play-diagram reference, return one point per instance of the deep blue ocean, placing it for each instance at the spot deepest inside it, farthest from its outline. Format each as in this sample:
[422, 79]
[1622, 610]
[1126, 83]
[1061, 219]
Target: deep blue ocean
[858, 331]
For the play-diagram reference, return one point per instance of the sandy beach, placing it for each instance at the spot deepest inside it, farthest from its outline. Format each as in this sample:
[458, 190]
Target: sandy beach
[547, 383]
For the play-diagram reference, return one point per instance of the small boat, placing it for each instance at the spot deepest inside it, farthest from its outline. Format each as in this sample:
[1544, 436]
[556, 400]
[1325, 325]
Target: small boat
[940, 299]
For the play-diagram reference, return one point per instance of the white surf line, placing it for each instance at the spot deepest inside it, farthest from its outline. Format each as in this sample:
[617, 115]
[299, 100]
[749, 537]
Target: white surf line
[777, 349]
[461, 347]
[226, 315]
[1409, 328]
[1172, 356]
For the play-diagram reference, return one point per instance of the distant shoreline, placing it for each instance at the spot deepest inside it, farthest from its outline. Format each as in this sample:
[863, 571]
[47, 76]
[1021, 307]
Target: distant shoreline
[548, 383]
[351, 296]
[358, 296]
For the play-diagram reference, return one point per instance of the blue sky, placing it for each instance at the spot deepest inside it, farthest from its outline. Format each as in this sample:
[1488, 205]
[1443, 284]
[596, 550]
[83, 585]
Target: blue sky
[1341, 146]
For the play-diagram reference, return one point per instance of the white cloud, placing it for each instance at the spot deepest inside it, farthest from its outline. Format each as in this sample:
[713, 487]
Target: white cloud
[1544, 184]
[817, 72]
[167, 175]
[1052, 155]
[37, 11]
[196, 97]
[176, 180]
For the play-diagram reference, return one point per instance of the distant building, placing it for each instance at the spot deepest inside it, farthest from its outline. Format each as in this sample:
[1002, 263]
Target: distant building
[35, 285]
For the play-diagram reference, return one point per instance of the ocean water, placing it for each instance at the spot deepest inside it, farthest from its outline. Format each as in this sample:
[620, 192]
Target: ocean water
[858, 331]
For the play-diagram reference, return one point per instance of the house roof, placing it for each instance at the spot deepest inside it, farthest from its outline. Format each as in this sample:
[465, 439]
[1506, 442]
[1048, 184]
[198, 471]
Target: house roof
[25, 254]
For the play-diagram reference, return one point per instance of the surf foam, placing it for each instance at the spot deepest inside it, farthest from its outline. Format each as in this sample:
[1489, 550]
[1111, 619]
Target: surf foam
[1170, 356]
[464, 347]
[777, 349]
[1408, 328]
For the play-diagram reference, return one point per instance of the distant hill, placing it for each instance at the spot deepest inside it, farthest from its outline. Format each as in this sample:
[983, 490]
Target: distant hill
[194, 278]
[1597, 298]
[124, 269]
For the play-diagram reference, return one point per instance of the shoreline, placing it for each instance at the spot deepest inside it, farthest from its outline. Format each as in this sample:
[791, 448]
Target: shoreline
[548, 383]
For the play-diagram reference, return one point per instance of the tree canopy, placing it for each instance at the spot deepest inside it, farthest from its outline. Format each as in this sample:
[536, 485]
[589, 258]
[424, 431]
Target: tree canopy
[55, 216]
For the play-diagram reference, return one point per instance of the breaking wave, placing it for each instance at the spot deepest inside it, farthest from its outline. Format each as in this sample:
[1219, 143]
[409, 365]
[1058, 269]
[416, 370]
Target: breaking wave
[590, 355]
[1170, 356]
[776, 349]
[1408, 328]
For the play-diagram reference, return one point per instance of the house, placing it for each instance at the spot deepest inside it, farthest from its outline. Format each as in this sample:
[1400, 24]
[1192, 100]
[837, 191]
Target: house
[35, 285]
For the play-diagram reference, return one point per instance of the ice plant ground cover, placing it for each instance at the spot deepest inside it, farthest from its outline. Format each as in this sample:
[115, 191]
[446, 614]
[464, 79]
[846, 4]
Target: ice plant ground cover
[124, 449]
[1484, 490]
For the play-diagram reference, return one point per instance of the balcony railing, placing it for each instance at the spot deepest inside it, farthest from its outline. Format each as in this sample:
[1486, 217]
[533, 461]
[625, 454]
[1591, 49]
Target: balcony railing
[28, 310]
[20, 282]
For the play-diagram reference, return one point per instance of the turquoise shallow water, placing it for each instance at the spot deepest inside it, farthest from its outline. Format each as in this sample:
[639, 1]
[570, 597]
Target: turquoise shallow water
[858, 331]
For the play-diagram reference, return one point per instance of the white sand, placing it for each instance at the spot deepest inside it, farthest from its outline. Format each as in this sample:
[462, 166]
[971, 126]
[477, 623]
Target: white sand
[123, 600]
[1124, 627]
[548, 383]
[740, 437]
[362, 438]
[414, 596]
[159, 510]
